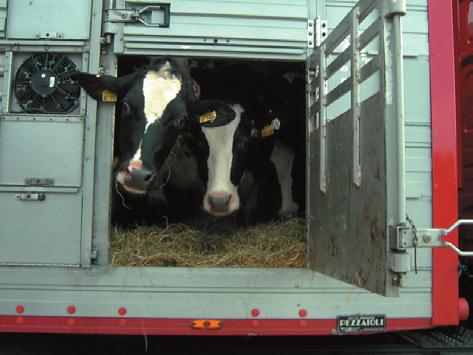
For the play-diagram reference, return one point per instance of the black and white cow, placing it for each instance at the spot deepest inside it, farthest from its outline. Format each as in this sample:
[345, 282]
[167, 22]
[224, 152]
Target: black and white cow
[155, 103]
[245, 165]
[255, 154]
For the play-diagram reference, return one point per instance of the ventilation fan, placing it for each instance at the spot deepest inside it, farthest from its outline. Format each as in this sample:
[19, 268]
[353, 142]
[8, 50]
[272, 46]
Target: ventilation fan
[43, 84]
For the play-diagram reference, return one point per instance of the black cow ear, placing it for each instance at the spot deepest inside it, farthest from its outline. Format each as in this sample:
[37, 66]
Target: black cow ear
[105, 88]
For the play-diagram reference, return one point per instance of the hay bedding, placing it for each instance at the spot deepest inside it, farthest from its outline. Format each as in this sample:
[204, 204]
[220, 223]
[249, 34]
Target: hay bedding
[207, 243]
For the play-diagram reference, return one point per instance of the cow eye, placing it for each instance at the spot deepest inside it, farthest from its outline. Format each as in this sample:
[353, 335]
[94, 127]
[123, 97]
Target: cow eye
[181, 122]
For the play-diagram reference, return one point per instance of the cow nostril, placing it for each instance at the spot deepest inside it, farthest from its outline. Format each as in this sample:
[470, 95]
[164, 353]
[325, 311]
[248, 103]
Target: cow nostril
[147, 178]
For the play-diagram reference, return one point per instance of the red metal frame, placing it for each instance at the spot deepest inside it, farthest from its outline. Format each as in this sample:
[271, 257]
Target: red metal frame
[444, 159]
[464, 69]
[153, 326]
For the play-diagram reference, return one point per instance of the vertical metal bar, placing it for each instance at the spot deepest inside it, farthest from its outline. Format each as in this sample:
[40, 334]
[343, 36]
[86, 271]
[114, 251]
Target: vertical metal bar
[399, 106]
[94, 48]
[355, 95]
[323, 120]
[7, 81]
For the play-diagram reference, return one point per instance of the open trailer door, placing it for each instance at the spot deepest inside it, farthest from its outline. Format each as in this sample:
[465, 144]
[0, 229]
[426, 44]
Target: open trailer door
[356, 148]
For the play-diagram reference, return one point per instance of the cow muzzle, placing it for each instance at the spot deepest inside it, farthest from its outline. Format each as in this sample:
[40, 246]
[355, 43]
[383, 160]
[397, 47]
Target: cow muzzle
[136, 178]
[220, 203]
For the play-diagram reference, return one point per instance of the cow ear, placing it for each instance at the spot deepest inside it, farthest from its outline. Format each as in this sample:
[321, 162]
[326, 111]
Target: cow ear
[207, 111]
[105, 88]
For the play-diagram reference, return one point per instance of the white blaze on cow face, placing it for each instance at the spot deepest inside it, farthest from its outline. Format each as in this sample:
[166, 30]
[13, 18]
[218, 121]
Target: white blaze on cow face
[159, 89]
[219, 163]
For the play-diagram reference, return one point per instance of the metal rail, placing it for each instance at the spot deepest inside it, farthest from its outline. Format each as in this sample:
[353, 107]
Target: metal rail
[388, 62]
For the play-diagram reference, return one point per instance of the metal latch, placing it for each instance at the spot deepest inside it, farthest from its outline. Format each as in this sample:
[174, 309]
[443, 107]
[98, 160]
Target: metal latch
[411, 237]
[31, 196]
[39, 181]
[151, 16]
[50, 35]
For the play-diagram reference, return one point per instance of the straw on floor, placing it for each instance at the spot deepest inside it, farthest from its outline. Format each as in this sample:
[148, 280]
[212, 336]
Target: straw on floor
[212, 244]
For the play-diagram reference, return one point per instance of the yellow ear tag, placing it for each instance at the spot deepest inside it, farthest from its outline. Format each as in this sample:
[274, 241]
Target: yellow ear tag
[267, 131]
[108, 96]
[208, 117]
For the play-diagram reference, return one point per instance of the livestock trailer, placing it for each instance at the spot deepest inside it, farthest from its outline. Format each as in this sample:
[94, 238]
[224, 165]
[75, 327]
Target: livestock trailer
[381, 180]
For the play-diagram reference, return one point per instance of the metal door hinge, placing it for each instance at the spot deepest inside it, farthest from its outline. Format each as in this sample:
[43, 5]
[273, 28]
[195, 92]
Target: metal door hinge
[93, 255]
[407, 237]
[321, 31]
[310, 34]
[151, 16]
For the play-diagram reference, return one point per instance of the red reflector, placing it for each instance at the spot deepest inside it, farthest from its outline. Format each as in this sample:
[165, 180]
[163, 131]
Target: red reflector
[463, 309]
[255, 312]
[20, 308]
[302, 313]
[71, 309]
[122, 311]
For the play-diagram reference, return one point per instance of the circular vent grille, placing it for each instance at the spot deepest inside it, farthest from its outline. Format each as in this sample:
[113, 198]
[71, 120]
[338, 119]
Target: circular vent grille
[43, 84]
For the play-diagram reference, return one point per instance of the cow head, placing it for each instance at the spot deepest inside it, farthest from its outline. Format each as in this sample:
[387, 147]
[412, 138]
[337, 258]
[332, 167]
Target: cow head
[228, 136]
[154, 111]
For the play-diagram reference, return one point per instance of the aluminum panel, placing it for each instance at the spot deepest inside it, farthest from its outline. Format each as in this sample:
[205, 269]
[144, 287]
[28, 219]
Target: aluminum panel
[49, 19]
[251, 29]
[40, 232]
[41, 149]
[202, 293]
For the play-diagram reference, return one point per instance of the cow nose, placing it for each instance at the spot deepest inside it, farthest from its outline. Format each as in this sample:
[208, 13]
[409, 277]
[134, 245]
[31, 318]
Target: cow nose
[139, 178]
[219, 201]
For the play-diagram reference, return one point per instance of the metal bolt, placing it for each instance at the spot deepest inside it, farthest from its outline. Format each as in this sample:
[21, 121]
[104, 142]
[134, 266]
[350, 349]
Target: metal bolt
[427, 238]
[43, 75]
[310, 24]
[310, 33]
[310, 42]
[124, 15]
